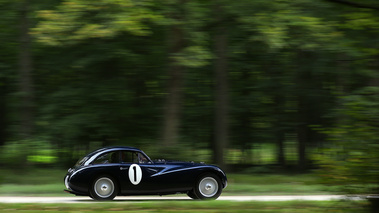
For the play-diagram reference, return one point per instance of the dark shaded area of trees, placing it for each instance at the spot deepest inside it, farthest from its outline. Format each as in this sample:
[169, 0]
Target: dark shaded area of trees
[180, 78]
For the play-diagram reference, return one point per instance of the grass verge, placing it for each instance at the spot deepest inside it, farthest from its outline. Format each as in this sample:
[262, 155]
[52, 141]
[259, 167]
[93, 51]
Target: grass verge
[49, 182]
[196, 206]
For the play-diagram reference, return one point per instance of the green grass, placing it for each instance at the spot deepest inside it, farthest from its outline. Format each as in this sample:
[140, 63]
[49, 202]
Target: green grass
[36, 182]
[49, 182]
[195, 206]
[32, 176]
[268, 184]
[32, 190]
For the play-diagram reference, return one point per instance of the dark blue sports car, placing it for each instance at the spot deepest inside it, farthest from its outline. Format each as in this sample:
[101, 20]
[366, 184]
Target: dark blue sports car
[108, 172]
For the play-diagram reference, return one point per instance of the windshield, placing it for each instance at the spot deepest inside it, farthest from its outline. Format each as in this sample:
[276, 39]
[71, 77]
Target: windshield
[81, 161]
[85, 158]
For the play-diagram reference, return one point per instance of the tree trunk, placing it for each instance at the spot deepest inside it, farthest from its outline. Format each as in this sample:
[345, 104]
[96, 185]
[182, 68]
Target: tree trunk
[302, 135]
[280, 144]
[221, 127]
[3, 113]
[25, 75]
[278, 128]
[175, 84]
[304, 77]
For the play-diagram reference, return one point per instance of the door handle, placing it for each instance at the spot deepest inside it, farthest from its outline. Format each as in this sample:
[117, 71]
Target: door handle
[123, 168]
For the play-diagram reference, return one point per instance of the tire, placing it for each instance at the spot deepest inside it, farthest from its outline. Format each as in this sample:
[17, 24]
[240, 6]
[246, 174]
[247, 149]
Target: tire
[208, 187]
[103, 188]
[192, 195]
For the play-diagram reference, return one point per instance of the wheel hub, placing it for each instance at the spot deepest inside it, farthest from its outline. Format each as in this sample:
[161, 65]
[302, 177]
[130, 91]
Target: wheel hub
[104, 187]
[208, 187]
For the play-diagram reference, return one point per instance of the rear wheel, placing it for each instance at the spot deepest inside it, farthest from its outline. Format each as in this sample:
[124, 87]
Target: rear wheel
[208, 187]
[103, 188]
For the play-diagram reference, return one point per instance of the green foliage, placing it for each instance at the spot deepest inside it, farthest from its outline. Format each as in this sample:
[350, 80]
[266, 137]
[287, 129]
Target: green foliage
[352, 157]
[194, 57]
[75, 20]
[24, 153]
[13, 155]
[100, 78]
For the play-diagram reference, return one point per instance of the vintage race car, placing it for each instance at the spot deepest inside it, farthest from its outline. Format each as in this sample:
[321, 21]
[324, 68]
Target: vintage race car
[108, 172]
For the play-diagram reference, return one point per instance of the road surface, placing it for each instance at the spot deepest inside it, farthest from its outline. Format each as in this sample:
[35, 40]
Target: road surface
[169, 198]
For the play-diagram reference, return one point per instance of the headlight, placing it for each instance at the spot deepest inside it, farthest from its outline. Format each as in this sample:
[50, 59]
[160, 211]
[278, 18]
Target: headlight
[66, 182]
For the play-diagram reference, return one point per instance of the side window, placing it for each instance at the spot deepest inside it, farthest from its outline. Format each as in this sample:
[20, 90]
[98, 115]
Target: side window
[133, 157]
[129, 157]
[109, 157]
[142, 158]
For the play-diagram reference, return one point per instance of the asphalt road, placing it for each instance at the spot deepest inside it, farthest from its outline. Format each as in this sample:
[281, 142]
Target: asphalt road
[168, 198]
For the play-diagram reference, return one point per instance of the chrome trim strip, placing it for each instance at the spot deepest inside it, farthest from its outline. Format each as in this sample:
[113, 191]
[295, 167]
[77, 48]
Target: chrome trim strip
[177, 170]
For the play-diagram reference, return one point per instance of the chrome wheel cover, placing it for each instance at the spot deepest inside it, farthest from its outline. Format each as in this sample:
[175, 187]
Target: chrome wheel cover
[208, 187]
[104, 187]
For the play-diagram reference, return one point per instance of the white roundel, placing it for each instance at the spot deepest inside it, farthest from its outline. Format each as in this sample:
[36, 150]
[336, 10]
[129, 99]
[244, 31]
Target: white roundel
[135, 174]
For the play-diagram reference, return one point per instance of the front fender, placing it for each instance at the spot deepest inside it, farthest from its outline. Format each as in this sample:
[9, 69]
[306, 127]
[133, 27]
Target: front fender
[221, 174]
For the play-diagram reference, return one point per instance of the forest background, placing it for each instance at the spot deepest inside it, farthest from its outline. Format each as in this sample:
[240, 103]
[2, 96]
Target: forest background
[282, 85]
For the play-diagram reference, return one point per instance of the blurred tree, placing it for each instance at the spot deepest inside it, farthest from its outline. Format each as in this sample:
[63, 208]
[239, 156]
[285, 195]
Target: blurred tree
[99, 92]
[3, 111]
[75, 21]
[26, 84]
[352, 158]
[167, 20]
[235, 75]
[365, 4]
[290, 46]
[176, 12]
[7, 65]
[221, 112]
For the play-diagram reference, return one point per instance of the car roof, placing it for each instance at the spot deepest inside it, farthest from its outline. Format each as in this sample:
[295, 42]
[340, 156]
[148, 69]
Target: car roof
[115, 148]
[121, 148]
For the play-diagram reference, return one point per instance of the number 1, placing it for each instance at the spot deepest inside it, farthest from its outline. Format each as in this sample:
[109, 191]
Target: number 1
[135, 173]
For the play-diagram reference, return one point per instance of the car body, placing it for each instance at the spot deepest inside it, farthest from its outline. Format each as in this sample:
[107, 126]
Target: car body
[111, 171]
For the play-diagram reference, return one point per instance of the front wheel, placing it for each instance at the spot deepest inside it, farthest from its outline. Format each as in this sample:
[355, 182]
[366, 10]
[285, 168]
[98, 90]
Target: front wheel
[103, 188]
[192, 195]
[208, 187]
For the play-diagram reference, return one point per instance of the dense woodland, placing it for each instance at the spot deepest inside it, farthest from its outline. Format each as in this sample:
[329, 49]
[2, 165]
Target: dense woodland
[177, 76]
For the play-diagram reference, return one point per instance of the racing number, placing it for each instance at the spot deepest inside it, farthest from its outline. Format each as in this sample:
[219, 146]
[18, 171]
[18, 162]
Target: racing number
[135, 174]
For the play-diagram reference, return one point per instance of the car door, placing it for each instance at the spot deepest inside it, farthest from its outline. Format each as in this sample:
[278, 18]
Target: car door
[136, 172]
